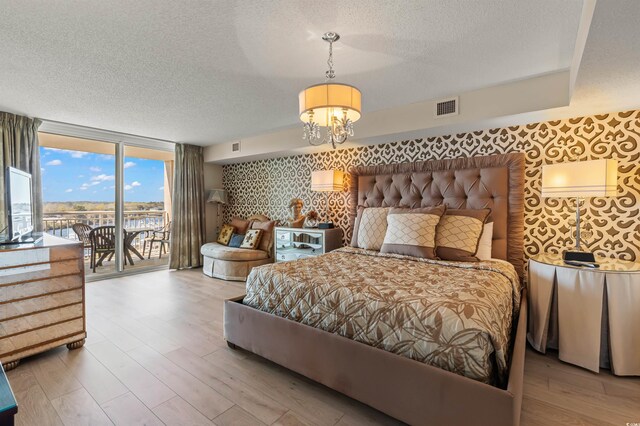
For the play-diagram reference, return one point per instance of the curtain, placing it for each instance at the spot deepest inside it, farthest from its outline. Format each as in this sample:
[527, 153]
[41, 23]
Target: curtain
[20, 149]
[188, 226]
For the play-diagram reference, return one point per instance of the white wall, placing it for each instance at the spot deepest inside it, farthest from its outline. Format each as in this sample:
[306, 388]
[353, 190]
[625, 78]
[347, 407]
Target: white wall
[477, 109]
[212, 180]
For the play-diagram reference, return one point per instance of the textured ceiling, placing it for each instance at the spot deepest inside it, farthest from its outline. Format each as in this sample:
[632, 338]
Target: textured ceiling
[210, 71]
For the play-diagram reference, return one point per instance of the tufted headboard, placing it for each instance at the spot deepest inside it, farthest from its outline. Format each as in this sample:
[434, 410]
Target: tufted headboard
[495, 182]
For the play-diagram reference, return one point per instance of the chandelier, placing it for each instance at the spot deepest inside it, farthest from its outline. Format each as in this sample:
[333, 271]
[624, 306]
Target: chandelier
[333, 106]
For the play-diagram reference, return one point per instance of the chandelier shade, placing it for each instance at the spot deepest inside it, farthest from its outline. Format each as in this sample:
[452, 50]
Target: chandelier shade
[321, 102]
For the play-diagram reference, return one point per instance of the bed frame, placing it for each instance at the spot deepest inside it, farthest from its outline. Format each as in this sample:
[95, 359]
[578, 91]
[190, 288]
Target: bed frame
[411, 391]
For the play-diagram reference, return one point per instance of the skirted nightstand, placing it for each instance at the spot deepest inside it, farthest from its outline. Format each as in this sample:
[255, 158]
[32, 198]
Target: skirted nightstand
[587, 314]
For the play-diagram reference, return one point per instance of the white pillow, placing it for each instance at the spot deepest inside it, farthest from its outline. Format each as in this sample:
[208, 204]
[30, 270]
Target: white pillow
[486, 241]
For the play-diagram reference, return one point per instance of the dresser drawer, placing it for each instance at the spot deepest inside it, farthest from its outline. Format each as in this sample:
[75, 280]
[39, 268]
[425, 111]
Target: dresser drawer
[12, 292]
[283, 236]
[38, 272]
[16, 343]
[37, 304]
[283, 257]
[39, 320]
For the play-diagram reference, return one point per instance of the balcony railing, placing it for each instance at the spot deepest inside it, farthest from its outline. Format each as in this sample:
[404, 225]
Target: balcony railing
[60, 223]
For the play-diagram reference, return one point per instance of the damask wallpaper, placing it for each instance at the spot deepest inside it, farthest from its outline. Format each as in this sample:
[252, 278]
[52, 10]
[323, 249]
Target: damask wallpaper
[613, 224]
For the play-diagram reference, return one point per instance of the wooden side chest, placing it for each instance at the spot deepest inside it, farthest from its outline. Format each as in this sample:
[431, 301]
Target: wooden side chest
[42, 298]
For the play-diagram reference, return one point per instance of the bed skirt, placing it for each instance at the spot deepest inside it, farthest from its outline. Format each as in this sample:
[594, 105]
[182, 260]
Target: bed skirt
[410, 391]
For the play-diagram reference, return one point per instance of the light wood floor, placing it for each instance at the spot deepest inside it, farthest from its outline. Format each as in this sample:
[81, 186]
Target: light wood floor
[155, 354]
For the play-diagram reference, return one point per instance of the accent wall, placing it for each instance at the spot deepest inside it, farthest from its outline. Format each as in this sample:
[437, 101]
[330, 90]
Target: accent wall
[612, 224]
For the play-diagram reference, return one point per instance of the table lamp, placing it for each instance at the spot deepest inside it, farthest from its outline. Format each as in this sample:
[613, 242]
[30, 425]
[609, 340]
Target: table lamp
[580, 179]
[327, 181]
[217, 196]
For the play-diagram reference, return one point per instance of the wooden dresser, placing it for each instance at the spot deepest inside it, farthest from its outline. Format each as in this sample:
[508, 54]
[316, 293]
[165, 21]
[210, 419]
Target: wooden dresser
[42, 301]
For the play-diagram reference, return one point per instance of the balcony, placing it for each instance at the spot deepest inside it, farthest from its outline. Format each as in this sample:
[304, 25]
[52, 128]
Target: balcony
[141, 222]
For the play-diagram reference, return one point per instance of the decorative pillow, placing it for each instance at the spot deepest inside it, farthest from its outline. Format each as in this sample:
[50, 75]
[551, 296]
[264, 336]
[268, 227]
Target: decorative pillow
[241, 225]
[236, 240]
[267, 235]
[251, 239]
[458, 234]
[225, 234]
[486, 242]
[372, 227]
[412, 232]
[356, 225]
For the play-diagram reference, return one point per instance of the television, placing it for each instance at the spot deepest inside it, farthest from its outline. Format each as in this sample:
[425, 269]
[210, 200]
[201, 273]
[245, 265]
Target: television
[19, 203]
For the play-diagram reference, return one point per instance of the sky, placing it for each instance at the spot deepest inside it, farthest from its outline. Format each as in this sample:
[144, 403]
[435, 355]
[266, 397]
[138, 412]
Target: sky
[84, 176]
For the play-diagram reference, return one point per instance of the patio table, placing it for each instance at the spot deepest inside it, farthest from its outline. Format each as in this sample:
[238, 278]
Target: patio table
[130, 236]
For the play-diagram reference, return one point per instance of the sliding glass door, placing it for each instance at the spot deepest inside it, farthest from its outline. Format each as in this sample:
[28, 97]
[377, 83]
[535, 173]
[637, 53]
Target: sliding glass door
[114, 196]
[78, 191]
[148, 176]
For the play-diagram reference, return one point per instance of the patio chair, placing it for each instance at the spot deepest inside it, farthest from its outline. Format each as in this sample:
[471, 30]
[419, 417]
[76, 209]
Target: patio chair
[103, 244]
[162, 236]
[82, 230]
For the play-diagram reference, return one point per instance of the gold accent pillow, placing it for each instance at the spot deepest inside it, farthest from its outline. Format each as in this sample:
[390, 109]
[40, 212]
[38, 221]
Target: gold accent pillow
[412, 232]
[225, 234]
[458, 234]
[251, 239]
[371, 227]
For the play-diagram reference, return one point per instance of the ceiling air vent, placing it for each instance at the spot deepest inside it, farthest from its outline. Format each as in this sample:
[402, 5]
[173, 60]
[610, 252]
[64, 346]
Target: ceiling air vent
[446, 107]
[235, 147]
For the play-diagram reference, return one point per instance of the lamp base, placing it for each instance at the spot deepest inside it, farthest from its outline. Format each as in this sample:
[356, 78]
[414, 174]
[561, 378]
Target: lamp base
[580, 256]
[325, 225]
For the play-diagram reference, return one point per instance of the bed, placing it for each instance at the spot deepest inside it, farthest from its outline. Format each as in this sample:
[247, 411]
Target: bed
[354, 320]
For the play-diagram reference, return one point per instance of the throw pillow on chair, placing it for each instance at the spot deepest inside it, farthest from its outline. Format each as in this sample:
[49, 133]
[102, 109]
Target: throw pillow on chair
[251, 239]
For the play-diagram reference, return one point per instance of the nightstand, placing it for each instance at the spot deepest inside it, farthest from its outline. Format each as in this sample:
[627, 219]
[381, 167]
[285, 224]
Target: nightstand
[298, 243]
[586, 313]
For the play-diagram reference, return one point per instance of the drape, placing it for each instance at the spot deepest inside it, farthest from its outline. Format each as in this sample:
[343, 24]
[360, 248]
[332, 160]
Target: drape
[188, 226]
[20, 149]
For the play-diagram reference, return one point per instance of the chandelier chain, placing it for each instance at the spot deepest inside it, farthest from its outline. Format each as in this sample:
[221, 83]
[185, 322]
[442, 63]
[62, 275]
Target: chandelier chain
[330, 74]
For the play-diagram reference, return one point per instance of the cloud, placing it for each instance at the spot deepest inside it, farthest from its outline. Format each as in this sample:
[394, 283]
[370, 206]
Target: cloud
[69, 190]
[95, 169]
[102, 178]
[132, 185]
[80, 176]
[54, 163]
[161, 188]
[129, 164]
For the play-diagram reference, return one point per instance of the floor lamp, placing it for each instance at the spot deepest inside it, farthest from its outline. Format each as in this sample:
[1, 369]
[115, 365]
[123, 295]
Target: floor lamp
[217, 196]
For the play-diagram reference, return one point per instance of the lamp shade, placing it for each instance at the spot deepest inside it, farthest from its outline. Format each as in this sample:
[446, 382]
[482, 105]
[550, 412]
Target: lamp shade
[327, 100]
[594, 178]
[327, 180]
[217, 196]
